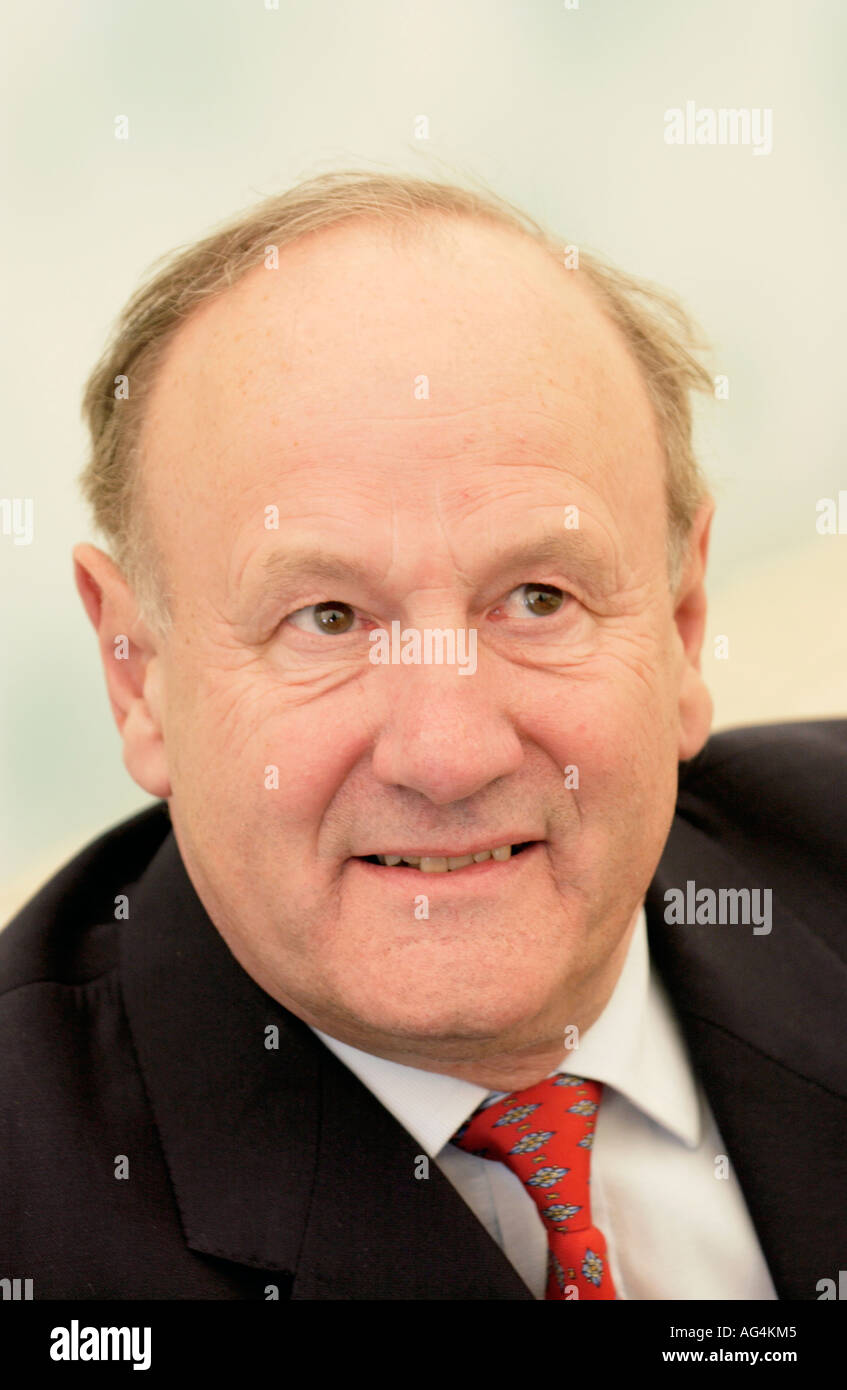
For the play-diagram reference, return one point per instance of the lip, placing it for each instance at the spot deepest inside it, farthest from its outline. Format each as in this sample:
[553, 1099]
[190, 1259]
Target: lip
[404, 876]
[452, 853]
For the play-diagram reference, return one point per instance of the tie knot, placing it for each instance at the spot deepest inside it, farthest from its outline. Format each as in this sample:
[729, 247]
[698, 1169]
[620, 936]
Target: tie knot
[560, 1095]
[545, 1134]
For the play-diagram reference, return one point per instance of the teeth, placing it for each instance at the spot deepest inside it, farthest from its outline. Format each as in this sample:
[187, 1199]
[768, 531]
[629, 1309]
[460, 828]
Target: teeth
[438, 865]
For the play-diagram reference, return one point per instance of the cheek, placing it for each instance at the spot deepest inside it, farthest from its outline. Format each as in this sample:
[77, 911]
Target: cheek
[610, 721]
[239, 741]
[309, 758]
[615, 743]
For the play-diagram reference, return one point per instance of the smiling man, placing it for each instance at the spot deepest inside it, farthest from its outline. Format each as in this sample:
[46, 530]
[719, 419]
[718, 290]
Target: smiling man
[344, 1013]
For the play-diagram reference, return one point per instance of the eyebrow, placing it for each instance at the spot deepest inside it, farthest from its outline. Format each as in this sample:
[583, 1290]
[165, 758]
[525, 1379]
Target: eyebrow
[572, 551]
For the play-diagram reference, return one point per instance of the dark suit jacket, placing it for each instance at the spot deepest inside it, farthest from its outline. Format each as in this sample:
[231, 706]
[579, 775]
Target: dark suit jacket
[251, 1168]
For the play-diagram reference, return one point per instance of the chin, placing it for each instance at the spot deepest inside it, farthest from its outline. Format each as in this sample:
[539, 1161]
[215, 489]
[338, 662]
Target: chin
[454, 1021]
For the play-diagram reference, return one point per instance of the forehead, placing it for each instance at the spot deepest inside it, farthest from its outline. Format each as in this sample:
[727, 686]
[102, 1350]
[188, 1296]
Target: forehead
[379, 357]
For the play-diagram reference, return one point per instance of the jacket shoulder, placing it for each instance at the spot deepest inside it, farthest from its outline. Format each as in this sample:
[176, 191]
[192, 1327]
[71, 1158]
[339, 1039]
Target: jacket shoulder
[67, 932]
[755, 774]
[818, 740]
[773, 797]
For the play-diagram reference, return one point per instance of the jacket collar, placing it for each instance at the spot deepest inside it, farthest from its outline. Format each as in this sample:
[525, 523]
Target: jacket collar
[760, 1014]
[280, 1159]
[782, 994]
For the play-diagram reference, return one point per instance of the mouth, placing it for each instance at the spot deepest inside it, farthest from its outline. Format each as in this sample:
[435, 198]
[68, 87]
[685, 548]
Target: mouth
[446, 863]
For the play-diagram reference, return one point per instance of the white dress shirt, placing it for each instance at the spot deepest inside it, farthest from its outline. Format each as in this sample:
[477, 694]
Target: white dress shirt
[674, 1228]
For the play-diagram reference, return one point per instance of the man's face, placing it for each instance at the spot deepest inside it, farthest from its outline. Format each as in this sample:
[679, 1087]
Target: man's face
[423, 414]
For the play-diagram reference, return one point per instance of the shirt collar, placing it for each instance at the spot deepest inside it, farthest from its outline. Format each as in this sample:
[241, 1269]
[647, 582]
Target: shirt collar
[635, 1046]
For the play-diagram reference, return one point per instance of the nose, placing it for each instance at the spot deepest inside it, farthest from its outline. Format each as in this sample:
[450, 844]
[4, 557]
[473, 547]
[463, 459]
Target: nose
[445, 735]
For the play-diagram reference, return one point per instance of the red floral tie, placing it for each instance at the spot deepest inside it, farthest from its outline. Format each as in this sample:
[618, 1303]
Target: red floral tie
[545, 1134]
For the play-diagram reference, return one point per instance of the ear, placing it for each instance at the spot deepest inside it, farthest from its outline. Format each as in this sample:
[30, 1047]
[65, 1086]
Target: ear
[132, 665]
[695, 702]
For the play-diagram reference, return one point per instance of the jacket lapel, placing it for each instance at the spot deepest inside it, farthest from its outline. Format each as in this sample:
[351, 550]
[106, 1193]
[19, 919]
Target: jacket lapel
[280, 1158]
[760, 1014]
[375, 1231]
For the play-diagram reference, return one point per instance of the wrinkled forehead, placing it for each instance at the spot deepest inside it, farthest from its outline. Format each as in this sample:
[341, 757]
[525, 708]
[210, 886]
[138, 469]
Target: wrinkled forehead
[371, 349]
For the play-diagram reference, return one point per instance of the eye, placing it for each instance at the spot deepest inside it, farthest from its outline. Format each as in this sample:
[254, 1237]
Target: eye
[328, 617]
[541, 599]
